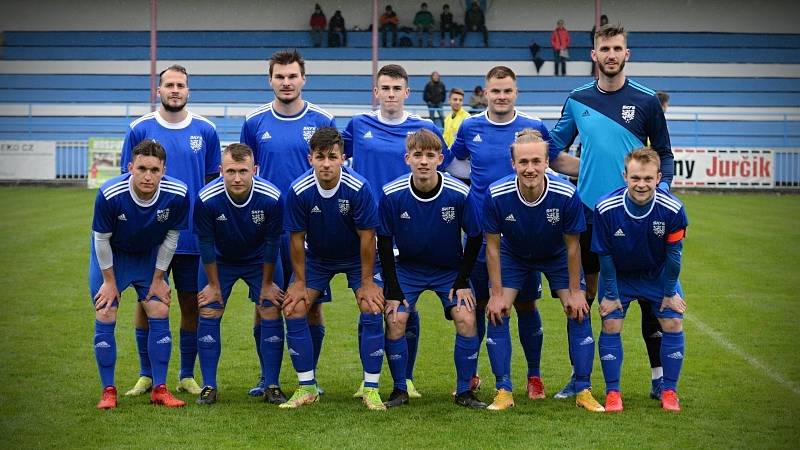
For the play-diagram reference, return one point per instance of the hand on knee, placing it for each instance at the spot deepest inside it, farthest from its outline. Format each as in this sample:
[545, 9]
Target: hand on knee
[155, 309]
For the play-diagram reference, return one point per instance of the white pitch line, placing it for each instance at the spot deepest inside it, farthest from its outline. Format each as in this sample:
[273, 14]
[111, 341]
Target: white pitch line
[721, 340]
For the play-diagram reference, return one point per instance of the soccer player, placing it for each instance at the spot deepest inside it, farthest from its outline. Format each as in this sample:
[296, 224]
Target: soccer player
[239, 221]
[193, 151]
[485, 139]
[458, 168]
[137, 219]
[533, 220]
[614, 115]
[638, 235]
[376, 142]
[278, 132]
[330, 208]
[423, 214]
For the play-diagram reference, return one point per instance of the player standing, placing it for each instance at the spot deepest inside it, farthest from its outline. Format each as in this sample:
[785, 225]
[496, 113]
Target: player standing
[331, 209]
[278, 132]
[613, 115]
[638, 235]
[137, 219]
[193, 150]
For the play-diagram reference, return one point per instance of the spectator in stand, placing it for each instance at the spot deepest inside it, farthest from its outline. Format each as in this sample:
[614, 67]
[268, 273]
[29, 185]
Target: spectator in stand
[446, 24]
[423, 22]
[603, 21]
[433, 96]
[477, 102]
[318, 23]
[663, 97]
[474, 20]
[337, 32]
[559, 39]
[388, 23]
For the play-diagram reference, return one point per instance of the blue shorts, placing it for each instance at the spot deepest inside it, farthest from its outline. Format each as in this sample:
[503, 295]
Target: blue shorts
[130, 269]
[285, 261]
[320, 272]
[416, 279]
[228, 274]
[183, 270]
[517, 271]
[647, 290]
[530, 290]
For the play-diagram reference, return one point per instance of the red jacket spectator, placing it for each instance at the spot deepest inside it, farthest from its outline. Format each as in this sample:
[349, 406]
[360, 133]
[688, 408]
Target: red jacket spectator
[559, 39]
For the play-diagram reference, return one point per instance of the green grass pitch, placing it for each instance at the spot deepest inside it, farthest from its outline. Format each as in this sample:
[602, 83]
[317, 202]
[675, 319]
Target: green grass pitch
[740, 385]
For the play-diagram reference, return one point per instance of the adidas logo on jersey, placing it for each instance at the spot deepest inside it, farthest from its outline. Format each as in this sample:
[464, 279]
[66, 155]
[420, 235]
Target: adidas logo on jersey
[587, 341]
[405, 215]
[293, 352]
[510, 218]
[222, 218]
[378, 352]
[316, 209]
[619, 233]
[608, 357]
[266, 136]
[102, 344]
[676, 355]
[394, 357]
[122, 217]
[164, 340]
[477, 138]
[208, 339]
[473, 356]
[585, 113]
[273, 339]
[368, 135]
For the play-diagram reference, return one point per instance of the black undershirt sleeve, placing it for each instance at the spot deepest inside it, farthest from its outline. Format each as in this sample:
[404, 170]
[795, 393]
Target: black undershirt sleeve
[471, 249]
[391, 287]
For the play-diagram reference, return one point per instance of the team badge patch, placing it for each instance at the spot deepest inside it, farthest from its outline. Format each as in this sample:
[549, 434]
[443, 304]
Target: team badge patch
[344, 206]
[658, 228]
[258, 216]
[196, 143]
[448, 213]
[308, 132]
[162, 215]
[628, 113]
[553, 215]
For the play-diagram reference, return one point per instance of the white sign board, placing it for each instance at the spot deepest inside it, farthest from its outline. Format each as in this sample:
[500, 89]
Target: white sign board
[723, 168]
[27, 160]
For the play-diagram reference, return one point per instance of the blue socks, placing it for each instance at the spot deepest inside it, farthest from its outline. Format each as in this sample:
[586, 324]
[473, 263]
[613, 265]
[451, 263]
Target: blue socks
[412, 338]
[301, 349]
[209, 346]
[498, 345]
[610, 350]
[159, 346]
[672, 352]
[531, 337]
[144, 359]
[188, 353]
[371, 347]
[465, 355]
[581, 351]
[397, 356]
[317, 336]
[105, 351]
[271, 344]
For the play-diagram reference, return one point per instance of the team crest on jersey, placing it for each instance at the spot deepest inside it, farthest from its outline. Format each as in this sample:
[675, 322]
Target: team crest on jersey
[308, 132]
[553, 215]
[162, 215]
[196, 143]
[658, 228]
[628, 113]
[258, 216]
[344, 206]
[448, 213]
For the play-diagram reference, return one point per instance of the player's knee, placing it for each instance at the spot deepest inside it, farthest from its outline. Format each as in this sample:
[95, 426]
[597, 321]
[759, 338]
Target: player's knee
[268, 313]
[211, 313]
[671, 325]
[300, 310]
[612, 326]
[396, 326]
[465, 321]
[106, 316]
[156, 309]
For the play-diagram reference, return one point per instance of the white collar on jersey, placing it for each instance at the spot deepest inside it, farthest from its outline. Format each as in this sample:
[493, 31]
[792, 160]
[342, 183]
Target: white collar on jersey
[174, 126]
[243, 204]
[139, 201]
[411, 188]
[327, 193]
[398, 121]
[280, 116]
[625, 199]
[541, 196]
[486, 113]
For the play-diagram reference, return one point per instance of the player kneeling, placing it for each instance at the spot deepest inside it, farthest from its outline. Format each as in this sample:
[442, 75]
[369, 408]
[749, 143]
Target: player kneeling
[423, 214]
[533, 222]
[137, 218]
[638, 234]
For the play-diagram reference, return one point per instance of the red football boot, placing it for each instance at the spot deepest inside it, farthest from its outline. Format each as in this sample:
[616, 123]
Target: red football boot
[109, 399]
[474, 383]
[613, 401]
[669, 400]
[535, 388]
[161, 396]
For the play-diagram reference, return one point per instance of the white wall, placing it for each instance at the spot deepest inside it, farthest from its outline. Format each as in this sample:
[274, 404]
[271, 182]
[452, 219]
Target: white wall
[773, 16]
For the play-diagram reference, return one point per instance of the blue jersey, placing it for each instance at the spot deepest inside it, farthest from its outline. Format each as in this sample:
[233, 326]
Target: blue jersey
[636, 244]
[611, 125]
[428, 231]
[488, 144]
[280, 143]
[331, 218]
[239, 231]
[193, 153]
[378, 148]
[533, 231]
[137, 226]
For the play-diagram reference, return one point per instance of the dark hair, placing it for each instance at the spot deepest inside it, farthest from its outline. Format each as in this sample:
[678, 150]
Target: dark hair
[501, 72]
[393, 71]
[644, 155]
[663, 97]
[174, 68]
[286, 57]
[528, 136]
[609, 31]
[325, 138]
[478, 89]
[238, 151]
[423, 5]
[458, 91]
[423, 139]
[150, 147]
